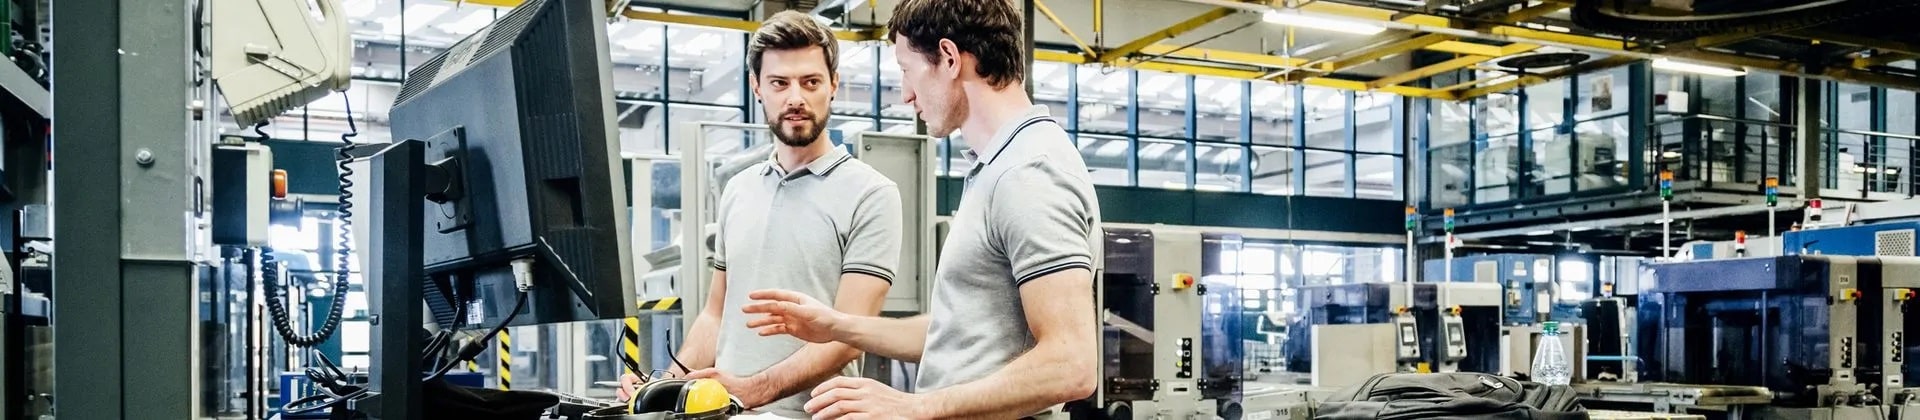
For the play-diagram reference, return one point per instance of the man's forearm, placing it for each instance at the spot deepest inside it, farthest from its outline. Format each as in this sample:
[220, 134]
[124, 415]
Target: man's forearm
[701, 343]
[799, 373]
[1030, 384]
[900, 339]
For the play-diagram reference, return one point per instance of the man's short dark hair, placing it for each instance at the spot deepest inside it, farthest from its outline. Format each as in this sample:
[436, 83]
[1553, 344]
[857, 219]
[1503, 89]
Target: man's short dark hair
[988, 29]
[791, 30]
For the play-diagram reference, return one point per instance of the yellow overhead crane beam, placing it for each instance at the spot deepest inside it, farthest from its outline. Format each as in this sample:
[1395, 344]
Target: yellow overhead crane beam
[1113, 56]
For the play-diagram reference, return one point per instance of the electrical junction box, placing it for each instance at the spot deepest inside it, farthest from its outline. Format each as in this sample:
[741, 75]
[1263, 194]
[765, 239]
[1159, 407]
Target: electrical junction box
[242, 193]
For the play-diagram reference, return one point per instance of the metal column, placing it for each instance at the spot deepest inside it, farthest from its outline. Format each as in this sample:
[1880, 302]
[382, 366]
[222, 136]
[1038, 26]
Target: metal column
[1808, 103]
[122, 202]
[394, 270]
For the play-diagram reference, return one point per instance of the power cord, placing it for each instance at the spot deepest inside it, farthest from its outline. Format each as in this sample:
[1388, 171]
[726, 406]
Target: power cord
[329, 397]
[282, 323]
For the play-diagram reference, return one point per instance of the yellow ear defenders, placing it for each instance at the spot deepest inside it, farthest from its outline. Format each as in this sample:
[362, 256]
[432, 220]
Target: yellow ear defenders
[696, 399]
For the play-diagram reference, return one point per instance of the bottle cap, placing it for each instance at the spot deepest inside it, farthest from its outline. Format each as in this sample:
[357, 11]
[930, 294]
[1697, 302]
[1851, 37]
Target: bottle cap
[1550, 327]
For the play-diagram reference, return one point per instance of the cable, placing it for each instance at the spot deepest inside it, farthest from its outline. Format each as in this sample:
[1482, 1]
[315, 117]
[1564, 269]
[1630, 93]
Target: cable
[271, 267]
[473, 348]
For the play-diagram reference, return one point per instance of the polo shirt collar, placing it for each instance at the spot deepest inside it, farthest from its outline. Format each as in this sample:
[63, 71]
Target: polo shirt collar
[821, 166]
[1005, 135]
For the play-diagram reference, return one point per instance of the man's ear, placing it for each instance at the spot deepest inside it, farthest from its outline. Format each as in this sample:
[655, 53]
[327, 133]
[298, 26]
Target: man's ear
[753, 84]
[949, 58]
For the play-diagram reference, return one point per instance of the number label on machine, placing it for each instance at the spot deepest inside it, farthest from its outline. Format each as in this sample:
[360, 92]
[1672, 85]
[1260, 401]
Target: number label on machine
[1179, 388]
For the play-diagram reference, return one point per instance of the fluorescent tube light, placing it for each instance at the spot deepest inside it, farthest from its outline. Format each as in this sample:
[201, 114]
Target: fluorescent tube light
[1670, 65]
[1295, 19]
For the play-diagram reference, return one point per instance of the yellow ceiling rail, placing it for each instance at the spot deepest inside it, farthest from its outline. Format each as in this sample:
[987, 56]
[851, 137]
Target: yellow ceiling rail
[1857, 41]
[1881, 60]
[1223, 56]
[1447, 66]
[1388, 50]
[1533, 79]
[1059, 57]
[1114, 55]
[1465, 48]
[1077, 42]
[1535, 12]
[690, 20]
[1327, 82]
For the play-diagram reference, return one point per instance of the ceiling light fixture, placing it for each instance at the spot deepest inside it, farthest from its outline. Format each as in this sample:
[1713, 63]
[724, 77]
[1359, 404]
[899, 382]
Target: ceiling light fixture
[1670, 65]
[1296, 19]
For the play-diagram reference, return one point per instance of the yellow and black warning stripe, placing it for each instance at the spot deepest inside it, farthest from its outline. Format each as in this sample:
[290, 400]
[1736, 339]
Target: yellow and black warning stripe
[630, 345]
[506, 361]
[662, 304]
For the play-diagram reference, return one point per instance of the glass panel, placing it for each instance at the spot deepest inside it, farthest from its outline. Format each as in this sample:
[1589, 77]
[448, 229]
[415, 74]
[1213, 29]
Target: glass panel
[1497, 114]
[1669, 89]
[1717, 95]
[636, 51]
[705, 65]
[1327, 174]
[1106, 158]
[897, 126]
[1897, 167]
[1326, 119]
[1850, 163]
[1552, 163]
[855, 97]
[1218, 101]
[1103, 100]
[1720, 150]
[1763, 98]
[891, 104]
[1273, 118]
[1273, 170]
[1496, 169]
[1546, 104]
[1050, 88]
[1901, 113]
[1761, 143]
[1601, 161]
[1163, 164]
[1163, 104]
[1602, 94]
[1854, 106]
[1221, 167]
[1373, 122]
[642, 127]
[1377, 176]
[1448, 153]
[848, 124]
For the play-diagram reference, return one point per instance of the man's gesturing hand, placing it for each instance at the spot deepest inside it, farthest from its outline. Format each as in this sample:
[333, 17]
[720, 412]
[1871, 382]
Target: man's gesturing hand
[862, 398]
[792, 313]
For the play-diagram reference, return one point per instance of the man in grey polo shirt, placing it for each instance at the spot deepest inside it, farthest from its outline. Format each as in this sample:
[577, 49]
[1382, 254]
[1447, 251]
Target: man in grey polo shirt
[810, 219]
[1012, 330]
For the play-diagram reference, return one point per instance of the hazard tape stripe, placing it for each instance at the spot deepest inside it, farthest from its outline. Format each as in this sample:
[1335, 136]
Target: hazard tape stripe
[506, 361]
[664, 304]
[630, 345]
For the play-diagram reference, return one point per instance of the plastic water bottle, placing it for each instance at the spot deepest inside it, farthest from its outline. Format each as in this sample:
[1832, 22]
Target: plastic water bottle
[1550, 359]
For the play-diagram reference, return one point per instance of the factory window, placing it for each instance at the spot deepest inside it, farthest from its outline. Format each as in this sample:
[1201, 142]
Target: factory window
[705, 65]
[1218, 103]
[1274, 118]
[1373, 122]
[1497, 114]
[891, 105]
[1220, 167]
[1104, 95]
[1670, 92]
[1273, 170]
[1719, 95]
[1763, 98]
[1051, 87]
[1163, 164]
[1328, 174]
[1602, 94]
[1853, 106]
[1546, 104]
[1163, 104]
[1106, 158]
[858, 62]
[1376, 176]
[1552, 162]
[1326, 118]
[1496, 169]
[1448, 152]
[1601, 159]
[1576, 280]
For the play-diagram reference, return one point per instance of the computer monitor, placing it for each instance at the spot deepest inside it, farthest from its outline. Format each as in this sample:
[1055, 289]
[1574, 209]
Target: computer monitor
[520, 115]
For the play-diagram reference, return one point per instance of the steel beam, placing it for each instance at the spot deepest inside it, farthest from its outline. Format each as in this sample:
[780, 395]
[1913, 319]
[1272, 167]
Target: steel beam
[123, 274]
[1808, 106]
[1192, 23]
[1077, 42]
[1857, 41]
[1465, 48]
[1223, 56]
[1881, 59]
[1387, 50]
[1429, 71]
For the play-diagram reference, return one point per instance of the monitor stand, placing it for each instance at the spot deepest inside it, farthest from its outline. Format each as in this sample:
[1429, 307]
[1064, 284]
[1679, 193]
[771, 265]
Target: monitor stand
[397, 266]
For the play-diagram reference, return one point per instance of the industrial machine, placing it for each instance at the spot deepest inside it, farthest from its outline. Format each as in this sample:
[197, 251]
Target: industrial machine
[1459, 326]
[1168, 352]
[1820, 332]
[1526, 282]
[1352, 316]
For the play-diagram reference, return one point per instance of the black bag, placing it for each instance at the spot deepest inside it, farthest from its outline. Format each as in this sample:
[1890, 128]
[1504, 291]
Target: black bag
[1450, 396]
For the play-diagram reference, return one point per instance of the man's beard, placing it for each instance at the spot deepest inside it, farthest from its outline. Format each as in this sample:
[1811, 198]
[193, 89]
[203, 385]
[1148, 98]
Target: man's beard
[803, 137]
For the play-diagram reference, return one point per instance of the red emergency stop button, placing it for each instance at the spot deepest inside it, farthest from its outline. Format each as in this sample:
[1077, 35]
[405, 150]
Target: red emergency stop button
[1182, 281]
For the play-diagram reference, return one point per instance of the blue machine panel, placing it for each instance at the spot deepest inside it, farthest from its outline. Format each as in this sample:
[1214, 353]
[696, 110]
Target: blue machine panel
[1848, 240]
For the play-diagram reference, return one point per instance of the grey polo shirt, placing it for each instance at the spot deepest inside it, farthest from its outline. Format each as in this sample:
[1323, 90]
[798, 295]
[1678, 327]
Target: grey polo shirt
[1028, 211]
[798, 231]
